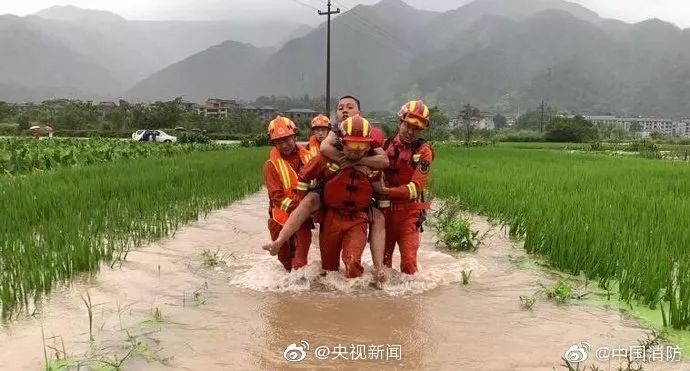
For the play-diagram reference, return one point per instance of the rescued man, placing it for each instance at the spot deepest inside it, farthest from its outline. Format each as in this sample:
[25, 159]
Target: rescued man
[347, 194]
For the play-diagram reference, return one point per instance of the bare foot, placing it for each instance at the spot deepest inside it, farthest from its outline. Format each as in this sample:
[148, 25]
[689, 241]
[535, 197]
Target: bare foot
[380, 275]
[272, 248]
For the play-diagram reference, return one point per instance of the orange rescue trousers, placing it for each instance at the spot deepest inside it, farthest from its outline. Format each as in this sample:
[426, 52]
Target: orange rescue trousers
[300, 242]
[401, 229]
[346, 235]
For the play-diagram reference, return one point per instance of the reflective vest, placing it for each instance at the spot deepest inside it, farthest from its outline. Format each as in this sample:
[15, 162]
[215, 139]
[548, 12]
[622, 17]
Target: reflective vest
[347, 190]
[314, 146]
[288, 177]
[403, 163]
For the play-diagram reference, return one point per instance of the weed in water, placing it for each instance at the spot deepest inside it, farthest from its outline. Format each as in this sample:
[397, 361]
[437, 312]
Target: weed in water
[453, 230]
[527, 302]
[89, 308]
[211, 259]
[158, 315]
[562, 292]
[466, 275]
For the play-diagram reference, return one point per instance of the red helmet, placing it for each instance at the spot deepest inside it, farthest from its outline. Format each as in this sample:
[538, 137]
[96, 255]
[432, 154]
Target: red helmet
[356, 129]
[281, 127]
[320, 121]
[415, 113]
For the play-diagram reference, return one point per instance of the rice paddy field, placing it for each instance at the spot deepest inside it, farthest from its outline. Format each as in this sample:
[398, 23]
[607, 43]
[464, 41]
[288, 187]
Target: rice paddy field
[100, 199]
[18, 156]
[68, 206]
[622, 221]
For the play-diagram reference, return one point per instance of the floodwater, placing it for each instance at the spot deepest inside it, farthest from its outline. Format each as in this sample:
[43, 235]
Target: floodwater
[167, 310]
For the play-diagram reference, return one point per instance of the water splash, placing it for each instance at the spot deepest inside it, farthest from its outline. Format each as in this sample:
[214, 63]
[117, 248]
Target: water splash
[263, 273]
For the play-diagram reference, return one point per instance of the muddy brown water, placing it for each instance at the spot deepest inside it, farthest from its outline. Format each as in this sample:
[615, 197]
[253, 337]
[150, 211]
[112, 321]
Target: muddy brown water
[241, 315]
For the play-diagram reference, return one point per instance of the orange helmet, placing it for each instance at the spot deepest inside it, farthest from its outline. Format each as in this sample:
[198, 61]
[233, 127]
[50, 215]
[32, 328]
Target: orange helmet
[320, 121]
[415, 113]
[281, 127]
[356, 129]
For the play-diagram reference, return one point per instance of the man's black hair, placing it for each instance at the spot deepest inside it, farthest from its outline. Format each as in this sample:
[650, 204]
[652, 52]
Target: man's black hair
[359, 106]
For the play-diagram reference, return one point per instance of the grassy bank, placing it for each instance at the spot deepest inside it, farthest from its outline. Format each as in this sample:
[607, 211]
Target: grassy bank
[617, 220]
[55, 224]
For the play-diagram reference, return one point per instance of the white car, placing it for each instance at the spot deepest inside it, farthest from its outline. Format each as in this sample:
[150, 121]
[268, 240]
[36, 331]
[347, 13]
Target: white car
[153, 136]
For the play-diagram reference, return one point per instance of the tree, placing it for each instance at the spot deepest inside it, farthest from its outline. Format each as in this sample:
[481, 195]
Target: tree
[500, 121]
[576, 129]
[7, 112]
[438, 127]
[531, 120]
[164, 114]
[469, 115]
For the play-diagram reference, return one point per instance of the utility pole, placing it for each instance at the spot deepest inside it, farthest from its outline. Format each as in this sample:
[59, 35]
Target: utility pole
[328, 14]
[548, 85]
[541, 127]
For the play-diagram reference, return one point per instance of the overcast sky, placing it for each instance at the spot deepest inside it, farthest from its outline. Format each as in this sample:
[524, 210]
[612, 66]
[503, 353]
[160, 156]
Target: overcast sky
[675, 11]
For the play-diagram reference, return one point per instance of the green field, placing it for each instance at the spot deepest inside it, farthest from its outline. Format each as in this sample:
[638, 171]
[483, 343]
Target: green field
[621, 221]
[58, 223]
[18, 156]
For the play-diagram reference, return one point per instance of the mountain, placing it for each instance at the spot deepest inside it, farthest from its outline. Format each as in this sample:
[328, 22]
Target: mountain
[496, 54]
[570, 62]
[300, 32]
[220, 71]
[101, 54]
[35, 63]
[371, 48]
[74, 14]
[454, 23]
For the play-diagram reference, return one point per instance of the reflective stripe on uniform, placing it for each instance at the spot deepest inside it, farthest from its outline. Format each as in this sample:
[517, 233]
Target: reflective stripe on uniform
[333, 167]
[384, 203]
[301, 186]
[413, 190]
[284, 173]
[285, 204]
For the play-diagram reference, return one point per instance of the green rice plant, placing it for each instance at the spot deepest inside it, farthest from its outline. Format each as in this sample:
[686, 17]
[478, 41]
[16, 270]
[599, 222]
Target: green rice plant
[58, 223]
[22, 155]
[620, 220]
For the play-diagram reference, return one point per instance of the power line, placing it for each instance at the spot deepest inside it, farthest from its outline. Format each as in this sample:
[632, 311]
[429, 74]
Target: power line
[305, 4]
[363, 22]
[372, 26]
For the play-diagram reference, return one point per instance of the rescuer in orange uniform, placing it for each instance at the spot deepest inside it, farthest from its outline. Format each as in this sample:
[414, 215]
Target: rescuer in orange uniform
[346, 196]
[348, 106]
[280, 176]
[320, 127]
[401, 196]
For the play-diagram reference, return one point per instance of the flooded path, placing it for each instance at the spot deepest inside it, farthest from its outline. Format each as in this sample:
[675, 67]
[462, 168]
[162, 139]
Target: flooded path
[167, 309]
